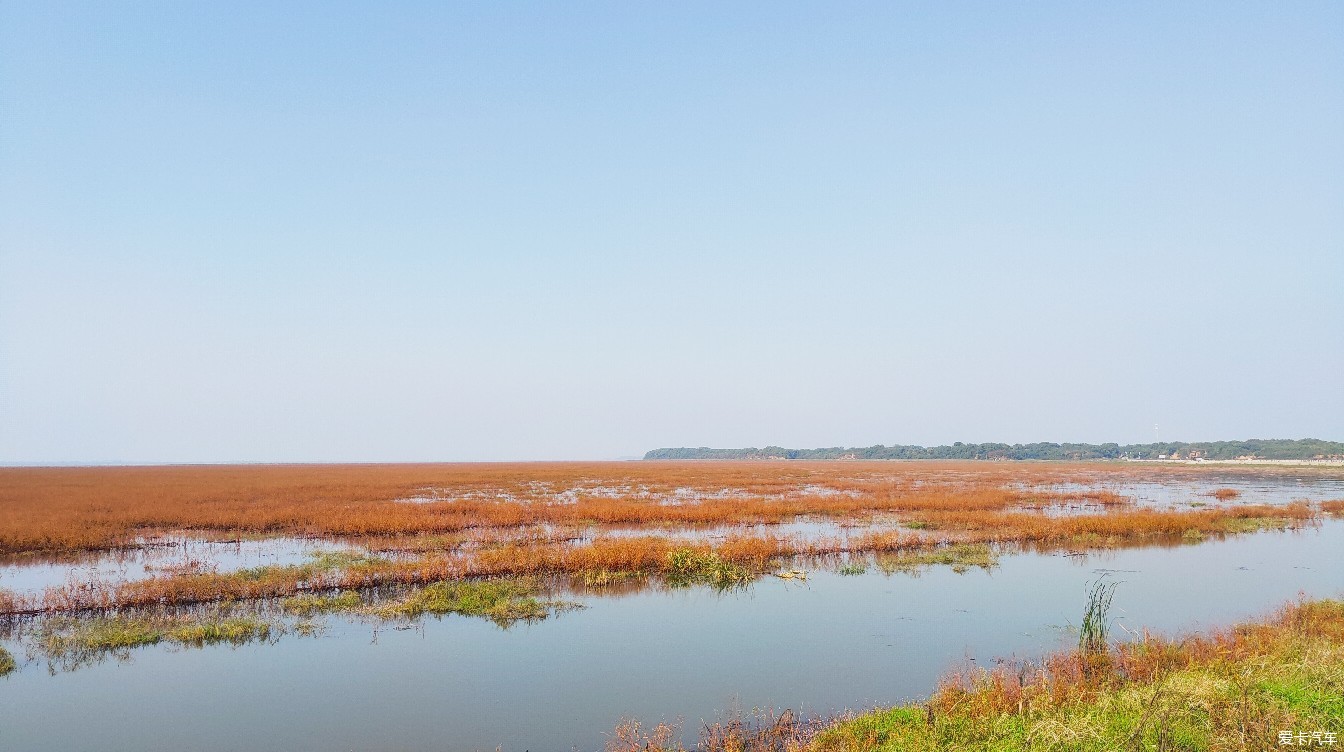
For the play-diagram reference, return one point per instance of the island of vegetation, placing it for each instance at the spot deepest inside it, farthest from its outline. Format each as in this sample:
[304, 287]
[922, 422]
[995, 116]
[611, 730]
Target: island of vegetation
[1249, 450]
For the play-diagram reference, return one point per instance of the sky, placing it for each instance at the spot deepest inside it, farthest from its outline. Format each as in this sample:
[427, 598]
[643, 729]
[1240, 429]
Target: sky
[269, 232]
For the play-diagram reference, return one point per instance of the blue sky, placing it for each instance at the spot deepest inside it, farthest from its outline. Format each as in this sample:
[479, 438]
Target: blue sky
[287, 231]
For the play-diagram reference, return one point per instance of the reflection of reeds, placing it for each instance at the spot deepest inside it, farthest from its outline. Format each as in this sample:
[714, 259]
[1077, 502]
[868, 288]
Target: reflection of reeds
[762, 731]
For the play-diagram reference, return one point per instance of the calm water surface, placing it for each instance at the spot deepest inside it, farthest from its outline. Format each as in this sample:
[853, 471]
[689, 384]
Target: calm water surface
[832, 643]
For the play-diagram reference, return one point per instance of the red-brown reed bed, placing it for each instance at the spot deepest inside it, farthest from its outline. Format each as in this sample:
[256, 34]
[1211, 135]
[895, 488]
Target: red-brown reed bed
[1127, 525]
[72, 509]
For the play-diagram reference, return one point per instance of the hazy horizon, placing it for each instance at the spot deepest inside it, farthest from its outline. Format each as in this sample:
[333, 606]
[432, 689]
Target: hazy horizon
[324, 233]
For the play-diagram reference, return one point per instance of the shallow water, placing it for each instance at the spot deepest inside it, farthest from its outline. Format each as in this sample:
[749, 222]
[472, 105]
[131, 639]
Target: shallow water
[831, 643]
[1180, 490]
[156, 556]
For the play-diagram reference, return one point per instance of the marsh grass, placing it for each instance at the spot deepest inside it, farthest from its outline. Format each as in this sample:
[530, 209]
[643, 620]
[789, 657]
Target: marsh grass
[961, 557]
[854, 568]
[7, 662]
[503, 601]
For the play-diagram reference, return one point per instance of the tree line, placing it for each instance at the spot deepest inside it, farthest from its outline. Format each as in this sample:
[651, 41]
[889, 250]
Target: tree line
[1264, 449]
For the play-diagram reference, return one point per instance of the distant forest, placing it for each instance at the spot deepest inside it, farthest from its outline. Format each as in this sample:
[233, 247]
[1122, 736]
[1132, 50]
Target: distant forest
[1261, 449]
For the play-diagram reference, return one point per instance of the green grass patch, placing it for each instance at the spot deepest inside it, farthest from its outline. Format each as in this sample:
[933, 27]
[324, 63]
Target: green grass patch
[502, 601]
[235, 630]
[322, 562]
[1254, 524]
[7, 663]
[960, 556]
[76, 637]
[854, 568]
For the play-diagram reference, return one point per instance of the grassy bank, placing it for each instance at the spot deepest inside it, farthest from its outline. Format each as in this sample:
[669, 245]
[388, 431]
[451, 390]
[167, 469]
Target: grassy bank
[1235, 689]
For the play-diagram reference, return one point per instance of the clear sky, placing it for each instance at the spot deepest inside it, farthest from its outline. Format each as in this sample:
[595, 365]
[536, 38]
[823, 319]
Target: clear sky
[477, 231]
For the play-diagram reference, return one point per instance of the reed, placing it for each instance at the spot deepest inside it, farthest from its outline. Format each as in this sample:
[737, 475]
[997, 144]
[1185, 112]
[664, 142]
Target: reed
[1095, 628]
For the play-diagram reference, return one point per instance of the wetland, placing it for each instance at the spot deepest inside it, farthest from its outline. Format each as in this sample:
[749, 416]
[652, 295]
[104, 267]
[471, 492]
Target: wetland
[589, 605]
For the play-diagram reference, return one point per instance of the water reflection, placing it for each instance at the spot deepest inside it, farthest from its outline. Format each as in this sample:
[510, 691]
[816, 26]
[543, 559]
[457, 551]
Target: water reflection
[820, 645]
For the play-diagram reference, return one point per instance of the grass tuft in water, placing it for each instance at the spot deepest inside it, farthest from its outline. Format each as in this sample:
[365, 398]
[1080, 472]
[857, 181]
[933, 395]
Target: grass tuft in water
[687, 566]
[7, 663]
[854, 568]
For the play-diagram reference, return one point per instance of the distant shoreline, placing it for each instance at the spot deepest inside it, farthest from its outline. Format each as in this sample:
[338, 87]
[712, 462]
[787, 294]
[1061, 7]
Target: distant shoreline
[1248, 452]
